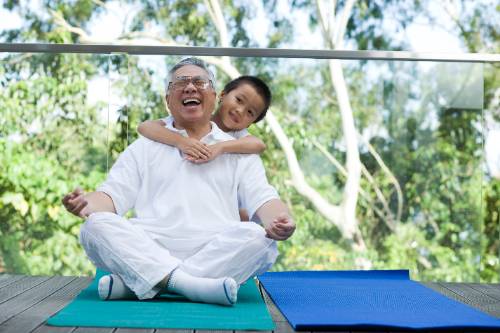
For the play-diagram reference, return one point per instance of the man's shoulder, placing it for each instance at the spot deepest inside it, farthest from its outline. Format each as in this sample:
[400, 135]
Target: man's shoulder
[145, 144]
[246, 159]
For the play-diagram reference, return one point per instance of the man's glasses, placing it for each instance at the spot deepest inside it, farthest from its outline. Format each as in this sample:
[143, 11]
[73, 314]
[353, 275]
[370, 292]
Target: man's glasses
[181, 82]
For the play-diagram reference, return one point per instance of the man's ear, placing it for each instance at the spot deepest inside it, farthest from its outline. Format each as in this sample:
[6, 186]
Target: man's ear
[166, 102]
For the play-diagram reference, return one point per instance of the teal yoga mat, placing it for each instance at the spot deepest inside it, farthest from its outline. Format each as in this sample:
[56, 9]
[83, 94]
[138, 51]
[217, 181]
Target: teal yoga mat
[249, 312]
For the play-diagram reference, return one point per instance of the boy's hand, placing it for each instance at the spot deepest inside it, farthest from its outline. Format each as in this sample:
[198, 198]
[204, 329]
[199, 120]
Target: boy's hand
[75, 203]
[282, 227]
[194, 149]
[215, 151]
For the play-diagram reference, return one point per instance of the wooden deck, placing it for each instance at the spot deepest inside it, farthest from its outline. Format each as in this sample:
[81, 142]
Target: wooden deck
[27, 301]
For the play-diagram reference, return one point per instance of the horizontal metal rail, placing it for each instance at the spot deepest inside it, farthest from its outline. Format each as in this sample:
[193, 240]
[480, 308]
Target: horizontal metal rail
[247, 52]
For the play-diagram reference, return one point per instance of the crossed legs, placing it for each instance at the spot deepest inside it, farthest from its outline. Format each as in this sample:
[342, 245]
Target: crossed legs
[142, 268]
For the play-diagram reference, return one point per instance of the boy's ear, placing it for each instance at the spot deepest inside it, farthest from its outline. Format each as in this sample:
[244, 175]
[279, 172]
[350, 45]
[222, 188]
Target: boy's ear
[221, 94]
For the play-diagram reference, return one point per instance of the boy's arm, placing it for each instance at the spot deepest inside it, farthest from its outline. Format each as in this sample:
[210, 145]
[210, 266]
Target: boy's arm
[246, 145]
[155, 130]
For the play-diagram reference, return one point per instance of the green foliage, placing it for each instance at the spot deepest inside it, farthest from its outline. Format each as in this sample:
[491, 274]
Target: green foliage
[33, 220]
[490, 254]
[52, 139]
[49, 142]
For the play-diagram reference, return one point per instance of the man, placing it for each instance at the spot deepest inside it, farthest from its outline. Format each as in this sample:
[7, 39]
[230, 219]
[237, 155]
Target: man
[186, 236]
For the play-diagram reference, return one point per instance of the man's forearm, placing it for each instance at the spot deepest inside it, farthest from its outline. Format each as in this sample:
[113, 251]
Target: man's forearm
[269, 211]
[98, 202]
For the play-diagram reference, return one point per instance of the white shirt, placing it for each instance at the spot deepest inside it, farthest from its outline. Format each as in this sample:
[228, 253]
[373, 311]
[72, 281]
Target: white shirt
[239, 134]
[182, 204]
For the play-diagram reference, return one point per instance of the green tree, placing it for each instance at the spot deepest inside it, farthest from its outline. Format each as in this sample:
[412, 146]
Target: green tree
[418, 183]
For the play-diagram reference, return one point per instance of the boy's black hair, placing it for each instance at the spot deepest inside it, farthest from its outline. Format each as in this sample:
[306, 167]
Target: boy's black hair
[259, 85]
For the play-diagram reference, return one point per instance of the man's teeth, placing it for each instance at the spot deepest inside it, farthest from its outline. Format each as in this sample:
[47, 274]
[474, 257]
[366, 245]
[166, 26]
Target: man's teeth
[191, 100]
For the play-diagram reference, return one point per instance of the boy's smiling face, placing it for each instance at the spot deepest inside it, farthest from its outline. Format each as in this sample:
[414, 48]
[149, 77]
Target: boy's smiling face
[240, 107]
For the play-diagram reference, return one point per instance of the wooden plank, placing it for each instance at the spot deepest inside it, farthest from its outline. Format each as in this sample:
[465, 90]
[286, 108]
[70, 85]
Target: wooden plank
[7, 279]
[473, 297]
[167, 330]
[134, 330]
[4, 277]
[283, 327]
[466, 291]
[20, 286]
[54, 329]
[94, 330]
[491, 290]
[465, 294]
[273, 310]
[445, 291]
[31, 297]
[36, 315]
[213, 331]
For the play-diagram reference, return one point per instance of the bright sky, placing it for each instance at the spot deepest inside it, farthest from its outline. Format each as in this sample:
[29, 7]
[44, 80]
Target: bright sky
[422, 37]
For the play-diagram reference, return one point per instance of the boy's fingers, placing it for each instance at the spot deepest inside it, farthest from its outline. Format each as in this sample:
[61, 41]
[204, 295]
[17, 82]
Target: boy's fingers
[206, 150]
[203, 155]
[201, 161]
[190, 156]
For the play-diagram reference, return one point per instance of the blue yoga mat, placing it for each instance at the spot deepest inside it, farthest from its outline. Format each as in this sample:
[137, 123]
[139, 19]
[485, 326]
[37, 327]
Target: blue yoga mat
[333, 300]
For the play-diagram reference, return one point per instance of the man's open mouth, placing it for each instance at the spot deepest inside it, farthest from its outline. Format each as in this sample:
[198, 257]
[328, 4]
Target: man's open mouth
[191, 102]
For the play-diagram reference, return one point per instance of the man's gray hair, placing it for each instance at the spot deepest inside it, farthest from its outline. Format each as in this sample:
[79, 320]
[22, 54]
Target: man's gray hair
[190, 61]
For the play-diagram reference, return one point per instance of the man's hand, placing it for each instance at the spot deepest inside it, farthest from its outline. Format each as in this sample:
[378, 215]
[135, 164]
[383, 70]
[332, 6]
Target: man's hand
[194, 149]
[75, 203]
[281, 228]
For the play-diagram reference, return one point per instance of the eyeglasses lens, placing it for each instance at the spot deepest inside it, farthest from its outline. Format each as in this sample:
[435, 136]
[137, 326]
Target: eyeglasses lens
[199, 82]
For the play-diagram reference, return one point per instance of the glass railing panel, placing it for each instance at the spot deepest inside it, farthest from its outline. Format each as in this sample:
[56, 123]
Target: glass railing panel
[436, 117]
[53, 137]
[417, 128]
[490, 249]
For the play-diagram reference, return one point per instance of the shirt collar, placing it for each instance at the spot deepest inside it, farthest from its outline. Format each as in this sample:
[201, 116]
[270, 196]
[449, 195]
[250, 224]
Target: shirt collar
[215, 135]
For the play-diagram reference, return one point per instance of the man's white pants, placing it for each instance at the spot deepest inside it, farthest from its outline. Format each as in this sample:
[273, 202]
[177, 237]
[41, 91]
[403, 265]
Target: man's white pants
[116, 245]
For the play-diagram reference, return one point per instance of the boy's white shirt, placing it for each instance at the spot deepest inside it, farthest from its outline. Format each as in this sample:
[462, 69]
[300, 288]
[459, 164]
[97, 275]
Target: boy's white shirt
[182, 203]
[239, 134]
[235, 134]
